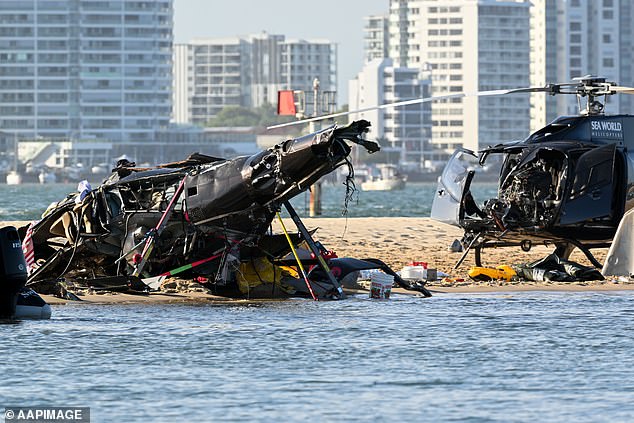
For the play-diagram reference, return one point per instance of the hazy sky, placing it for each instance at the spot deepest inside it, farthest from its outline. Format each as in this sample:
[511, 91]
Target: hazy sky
[340, 21]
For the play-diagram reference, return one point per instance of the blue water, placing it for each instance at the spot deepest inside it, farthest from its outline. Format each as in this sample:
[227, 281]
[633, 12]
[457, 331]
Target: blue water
[29, 201]
[520, 357]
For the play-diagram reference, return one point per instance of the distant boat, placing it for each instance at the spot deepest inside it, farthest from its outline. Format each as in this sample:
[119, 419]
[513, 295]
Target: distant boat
[46, 177]
[100, 169]
[389, 179]
[14, 178]
[73, 173]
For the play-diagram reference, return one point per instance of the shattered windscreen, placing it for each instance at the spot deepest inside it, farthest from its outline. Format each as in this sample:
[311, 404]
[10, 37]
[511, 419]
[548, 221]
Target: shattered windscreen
[451, 185]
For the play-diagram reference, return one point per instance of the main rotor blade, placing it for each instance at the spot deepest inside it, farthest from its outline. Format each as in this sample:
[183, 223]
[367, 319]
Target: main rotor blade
[547, 88]
[367, 109]
[622, 90]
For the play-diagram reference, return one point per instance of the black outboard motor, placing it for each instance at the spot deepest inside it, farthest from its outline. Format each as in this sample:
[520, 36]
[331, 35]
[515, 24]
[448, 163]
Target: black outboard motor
[13, 274]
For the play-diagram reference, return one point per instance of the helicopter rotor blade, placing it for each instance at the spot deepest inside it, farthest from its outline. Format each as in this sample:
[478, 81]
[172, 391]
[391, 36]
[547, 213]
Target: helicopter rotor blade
[367, 109]
[550, 88]
[622, 90]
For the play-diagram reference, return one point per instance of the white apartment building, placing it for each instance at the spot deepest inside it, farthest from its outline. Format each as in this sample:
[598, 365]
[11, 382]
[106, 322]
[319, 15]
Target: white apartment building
[403, 22]
[85, 69]
[470, 46]
[181, 87]
[376, 37]
[216, 75]
[573, 38]
[303, 61]
[266, 61]
[405, 130]
[211, 74]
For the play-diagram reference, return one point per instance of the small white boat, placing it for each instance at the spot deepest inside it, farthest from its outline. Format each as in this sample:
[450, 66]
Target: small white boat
[388, 180]
[14, 178]
[100, 169]
[73, 173]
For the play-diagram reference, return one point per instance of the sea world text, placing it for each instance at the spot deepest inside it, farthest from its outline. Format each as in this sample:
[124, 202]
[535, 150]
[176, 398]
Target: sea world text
[607, 129]
[604, 125]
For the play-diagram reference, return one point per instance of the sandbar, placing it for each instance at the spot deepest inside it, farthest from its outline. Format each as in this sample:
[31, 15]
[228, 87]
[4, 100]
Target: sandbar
[398, 241]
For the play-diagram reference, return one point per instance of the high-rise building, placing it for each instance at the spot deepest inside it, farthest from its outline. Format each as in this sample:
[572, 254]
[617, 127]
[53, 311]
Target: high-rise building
[216, 75]
[376, 37]
[469, 46]
[211, 74]
[403, 130]
[181, 86]
[266, 59]
[403, 26]
[574, 38]
[475, 45]
[86, 69]
[304, 60]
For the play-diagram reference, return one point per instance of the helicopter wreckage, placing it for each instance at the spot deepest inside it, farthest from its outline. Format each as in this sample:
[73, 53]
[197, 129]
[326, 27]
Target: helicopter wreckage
[203, 217]
[567, 184]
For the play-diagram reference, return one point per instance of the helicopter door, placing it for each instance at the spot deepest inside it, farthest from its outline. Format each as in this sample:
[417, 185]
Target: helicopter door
[451, 185]
[592, 187]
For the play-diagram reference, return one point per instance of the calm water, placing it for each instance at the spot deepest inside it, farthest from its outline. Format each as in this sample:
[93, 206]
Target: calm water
[525, 357]
[28, 201]
[522, 357]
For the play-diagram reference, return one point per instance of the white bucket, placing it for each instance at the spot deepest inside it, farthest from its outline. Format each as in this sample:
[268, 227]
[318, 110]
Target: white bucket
[381, 285]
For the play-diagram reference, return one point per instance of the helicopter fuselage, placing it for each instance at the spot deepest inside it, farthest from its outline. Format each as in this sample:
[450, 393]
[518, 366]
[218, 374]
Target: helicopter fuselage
[567, 184]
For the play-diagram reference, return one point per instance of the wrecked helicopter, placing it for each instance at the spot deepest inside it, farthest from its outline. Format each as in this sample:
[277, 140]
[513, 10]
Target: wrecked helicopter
[566, 185]
[204, 217]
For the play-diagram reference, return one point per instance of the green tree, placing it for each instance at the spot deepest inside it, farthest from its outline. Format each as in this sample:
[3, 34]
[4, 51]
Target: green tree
[234, 116]
[258, 117]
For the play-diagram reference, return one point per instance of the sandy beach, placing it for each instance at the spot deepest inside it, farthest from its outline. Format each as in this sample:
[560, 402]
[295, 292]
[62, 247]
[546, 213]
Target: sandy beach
[398, 242]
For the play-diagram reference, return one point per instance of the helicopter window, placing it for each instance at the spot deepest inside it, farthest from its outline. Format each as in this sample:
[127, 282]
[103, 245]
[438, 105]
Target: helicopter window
[547, 130]
[192, 191]
[599, 174]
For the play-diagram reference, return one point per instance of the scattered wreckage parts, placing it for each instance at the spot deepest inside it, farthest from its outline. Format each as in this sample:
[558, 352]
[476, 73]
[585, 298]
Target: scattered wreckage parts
[551, 268]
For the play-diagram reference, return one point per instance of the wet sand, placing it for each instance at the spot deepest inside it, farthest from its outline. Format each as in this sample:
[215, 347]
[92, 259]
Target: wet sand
[399, 241]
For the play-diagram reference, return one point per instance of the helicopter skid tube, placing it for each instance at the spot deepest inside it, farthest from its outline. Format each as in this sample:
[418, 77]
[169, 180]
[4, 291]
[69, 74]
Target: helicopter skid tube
[562, 249]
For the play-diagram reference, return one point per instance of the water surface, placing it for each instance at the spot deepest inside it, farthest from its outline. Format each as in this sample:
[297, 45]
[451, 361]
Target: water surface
[29, 201]
[520, 357]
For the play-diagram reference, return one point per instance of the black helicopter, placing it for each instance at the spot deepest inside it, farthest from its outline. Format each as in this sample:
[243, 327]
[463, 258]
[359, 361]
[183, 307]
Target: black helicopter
[207, 216]
[566, 185]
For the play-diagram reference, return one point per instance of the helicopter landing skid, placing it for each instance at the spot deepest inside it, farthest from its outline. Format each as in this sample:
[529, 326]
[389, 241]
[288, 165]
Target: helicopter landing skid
[563, 249]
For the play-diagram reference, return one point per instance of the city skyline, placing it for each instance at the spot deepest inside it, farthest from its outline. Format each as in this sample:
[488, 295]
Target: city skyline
[339, 22]
[105, 70]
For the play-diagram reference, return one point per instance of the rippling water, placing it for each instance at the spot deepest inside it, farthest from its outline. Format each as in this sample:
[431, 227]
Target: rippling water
[521, 357]
[28, 201]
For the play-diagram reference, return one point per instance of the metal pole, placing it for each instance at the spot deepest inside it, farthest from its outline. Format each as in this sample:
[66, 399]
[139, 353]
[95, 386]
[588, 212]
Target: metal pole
[315, 191]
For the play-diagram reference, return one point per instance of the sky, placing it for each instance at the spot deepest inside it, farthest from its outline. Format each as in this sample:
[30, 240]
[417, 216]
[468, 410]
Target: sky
[340, 21]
